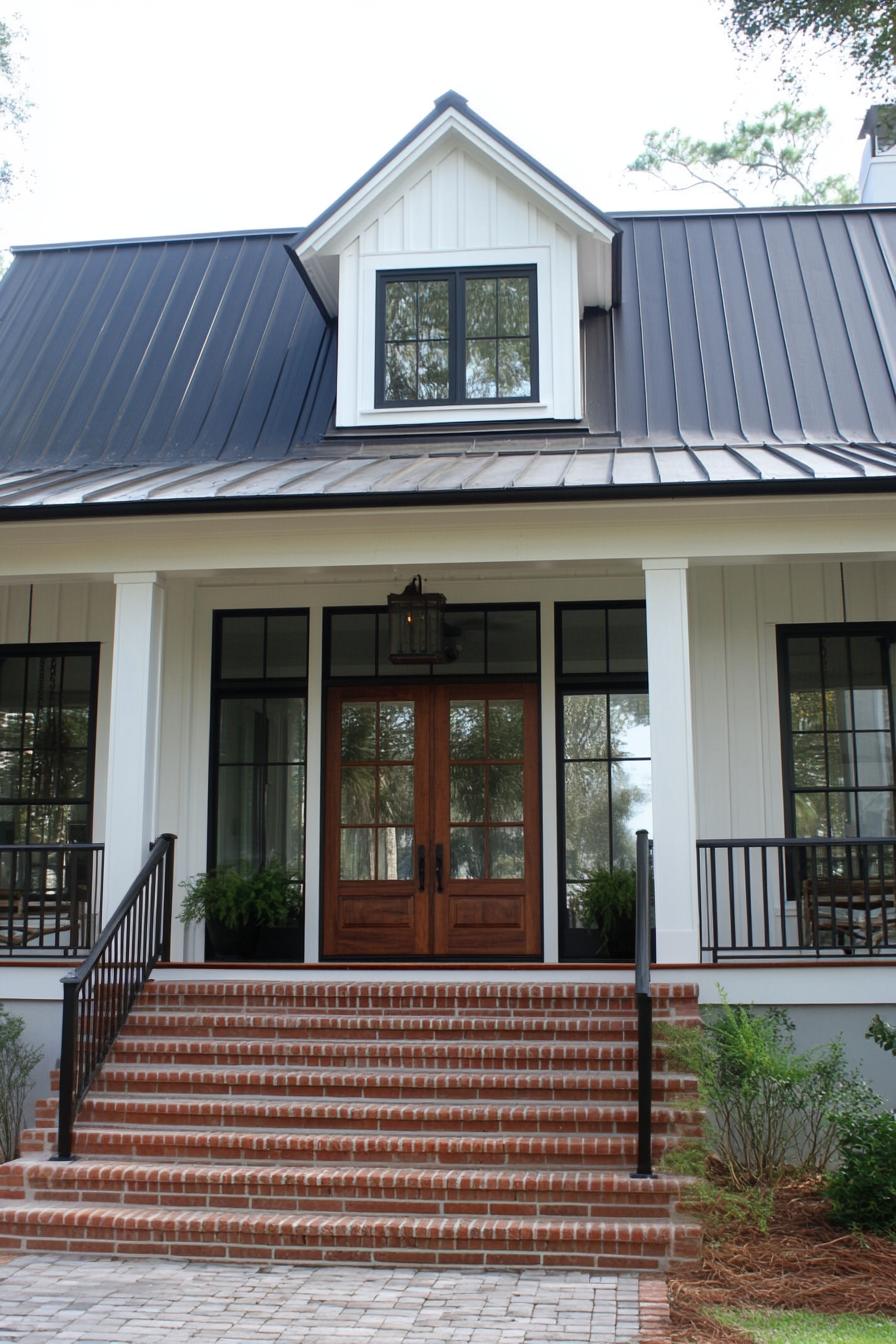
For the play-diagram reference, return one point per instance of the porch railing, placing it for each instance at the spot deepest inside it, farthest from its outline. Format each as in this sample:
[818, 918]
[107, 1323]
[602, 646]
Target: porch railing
[51, 899]
[97, 997]
[767, 899]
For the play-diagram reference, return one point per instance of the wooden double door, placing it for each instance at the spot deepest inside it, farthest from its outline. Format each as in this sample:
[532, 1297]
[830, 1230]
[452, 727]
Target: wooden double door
[432, 844]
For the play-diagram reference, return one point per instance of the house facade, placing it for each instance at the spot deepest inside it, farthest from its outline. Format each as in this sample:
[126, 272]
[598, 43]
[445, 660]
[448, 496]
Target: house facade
[648, 460]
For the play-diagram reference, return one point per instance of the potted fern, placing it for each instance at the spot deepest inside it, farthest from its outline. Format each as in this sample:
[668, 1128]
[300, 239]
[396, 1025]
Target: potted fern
[247, 913]
[604, 908]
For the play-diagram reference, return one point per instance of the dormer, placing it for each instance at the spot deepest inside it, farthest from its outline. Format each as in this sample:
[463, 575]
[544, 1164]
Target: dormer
[458, 269]
[877, 175]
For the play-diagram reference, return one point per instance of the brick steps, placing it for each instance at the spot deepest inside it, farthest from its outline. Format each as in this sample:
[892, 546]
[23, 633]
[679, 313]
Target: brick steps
[251, 1146]
[359, 1238]
[483, 1191]
[405, 1085]
[381, 1123]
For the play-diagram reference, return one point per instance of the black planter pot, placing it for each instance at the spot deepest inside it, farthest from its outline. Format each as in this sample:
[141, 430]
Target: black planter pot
[281, 942]
[223, 944]
[591, 945]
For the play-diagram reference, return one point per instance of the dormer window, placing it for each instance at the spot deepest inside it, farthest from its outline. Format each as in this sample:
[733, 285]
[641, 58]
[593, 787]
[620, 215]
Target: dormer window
[456, 336]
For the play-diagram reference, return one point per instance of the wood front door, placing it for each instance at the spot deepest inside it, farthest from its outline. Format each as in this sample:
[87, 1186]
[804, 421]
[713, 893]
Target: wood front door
[432, 843]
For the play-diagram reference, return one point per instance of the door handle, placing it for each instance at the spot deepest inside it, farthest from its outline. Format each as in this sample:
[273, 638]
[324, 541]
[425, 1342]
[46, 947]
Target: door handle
[440, 859]
[421, 867]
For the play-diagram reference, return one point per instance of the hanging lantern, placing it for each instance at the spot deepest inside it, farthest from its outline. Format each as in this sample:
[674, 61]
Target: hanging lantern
[417, 625]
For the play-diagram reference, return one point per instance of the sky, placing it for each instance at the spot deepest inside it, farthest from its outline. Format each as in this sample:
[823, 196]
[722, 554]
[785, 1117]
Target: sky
[197, 116]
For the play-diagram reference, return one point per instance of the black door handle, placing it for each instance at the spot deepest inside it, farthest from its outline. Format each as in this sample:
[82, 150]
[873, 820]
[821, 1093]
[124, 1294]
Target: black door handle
[421, 867]
[439, 863]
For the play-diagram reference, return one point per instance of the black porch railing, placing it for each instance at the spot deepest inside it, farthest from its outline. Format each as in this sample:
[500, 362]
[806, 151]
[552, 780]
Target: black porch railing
[767, 899]
[645, 1006]
[98, 995]
[51, 899]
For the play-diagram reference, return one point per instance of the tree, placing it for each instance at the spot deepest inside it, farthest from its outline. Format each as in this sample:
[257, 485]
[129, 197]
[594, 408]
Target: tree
[863, 30]
[14, 107]
[777, 152]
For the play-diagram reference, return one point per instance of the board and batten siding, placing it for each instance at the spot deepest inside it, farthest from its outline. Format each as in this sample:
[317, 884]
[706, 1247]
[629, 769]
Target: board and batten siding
[69, 613]
[457, 211]
[734, 614]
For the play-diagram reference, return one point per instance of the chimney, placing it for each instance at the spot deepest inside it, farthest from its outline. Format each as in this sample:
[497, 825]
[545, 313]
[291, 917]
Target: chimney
[877, 175]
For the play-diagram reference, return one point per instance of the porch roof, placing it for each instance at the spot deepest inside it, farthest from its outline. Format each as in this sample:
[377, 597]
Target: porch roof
[371, 475]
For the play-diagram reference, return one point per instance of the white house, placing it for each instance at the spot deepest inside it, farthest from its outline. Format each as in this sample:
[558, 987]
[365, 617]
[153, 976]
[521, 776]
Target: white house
[649, 459]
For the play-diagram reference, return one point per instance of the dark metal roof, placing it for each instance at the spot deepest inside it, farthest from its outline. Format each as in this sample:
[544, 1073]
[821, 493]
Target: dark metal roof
[751, 349]
[154, 351]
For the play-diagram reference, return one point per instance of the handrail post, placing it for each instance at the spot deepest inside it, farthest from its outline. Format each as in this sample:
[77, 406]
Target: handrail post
[70, 986]
[167, 899]
[645, 1007]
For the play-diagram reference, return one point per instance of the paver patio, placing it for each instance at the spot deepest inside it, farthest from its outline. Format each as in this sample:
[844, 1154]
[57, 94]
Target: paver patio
[99, 1300]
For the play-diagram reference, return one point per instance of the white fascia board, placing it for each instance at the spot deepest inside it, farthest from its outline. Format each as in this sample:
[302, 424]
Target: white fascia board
[330, 235]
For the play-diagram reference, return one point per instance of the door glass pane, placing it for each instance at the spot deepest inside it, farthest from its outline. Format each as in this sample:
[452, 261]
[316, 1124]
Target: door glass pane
[240, 790]
[396, 794]
[395, 856]
[467, 852]
[505, 792]
[505, 851]
[358, 802]
[467, 729]
[285, 720]
[505, 729]
[357, 854]
[467, 788]
[396, 730]
[358, 730]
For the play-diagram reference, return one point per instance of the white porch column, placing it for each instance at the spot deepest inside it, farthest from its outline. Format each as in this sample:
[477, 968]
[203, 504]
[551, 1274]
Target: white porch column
[672, 756]
[131, 811]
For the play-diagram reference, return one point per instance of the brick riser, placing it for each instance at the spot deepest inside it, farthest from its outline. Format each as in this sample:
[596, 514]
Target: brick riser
[463, 1124]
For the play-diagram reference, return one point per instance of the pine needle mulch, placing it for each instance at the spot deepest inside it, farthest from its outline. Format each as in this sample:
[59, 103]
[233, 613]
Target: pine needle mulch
[802, 1262]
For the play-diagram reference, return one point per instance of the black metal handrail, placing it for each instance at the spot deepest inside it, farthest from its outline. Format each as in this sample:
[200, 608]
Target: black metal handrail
[645, 1007]
[51, 897]
[97, 997]
[797, 898]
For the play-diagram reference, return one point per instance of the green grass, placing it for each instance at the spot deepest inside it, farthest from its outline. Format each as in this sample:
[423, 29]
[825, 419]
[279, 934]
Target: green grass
[804, 1327]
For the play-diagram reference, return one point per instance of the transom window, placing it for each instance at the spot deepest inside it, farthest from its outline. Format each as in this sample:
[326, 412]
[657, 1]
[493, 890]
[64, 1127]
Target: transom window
[456, 336]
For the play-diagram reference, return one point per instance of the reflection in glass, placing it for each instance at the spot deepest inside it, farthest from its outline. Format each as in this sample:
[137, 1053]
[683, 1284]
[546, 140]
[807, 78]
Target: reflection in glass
[513, 305]
[467, 729]
[358, 795]
[357, 854]
[432, 320]
[401, 310]
[396, 730]
[395, 856]
[584, 726]
[432, 371]
[467, 852]
[809, 760]
[358, 730]
[505, 851]
[287, 645]
[396, 793]
[514, 368]
[627, 638]
[505, 792]
[242, 647]
[505, 730]
[401, 371]
[480, 300]
[467, 789]
[630, 783]
[481, 370]
[586, 800]
[629, 725]
[512, 642]
[583, 639]
[874, 759]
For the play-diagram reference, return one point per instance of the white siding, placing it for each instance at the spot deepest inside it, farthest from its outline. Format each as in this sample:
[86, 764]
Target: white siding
[734, 612]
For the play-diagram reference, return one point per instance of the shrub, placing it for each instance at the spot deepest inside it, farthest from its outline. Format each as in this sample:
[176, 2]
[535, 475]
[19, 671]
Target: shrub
[606, 904]
[771, 1111]
[17, 1063]
[862, 1190]
[883, 1033]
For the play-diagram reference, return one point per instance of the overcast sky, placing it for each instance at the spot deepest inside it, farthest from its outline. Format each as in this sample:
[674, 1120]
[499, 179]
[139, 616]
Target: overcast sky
[199, 115]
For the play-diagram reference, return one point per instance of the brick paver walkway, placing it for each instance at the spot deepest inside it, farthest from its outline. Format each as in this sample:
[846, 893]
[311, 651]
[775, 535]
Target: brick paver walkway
[86, 1300]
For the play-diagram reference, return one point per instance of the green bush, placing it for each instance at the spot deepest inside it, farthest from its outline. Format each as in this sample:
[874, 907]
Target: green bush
[17, 1063]
[771, 1110]
[862, 1190]
[269, 897]
[606, 904]
[883, 1033]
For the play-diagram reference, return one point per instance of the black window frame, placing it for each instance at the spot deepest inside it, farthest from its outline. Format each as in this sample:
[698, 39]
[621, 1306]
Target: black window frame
[456, 277]
[80, 649]
[882, 630]
[585, 683]
[240, 688]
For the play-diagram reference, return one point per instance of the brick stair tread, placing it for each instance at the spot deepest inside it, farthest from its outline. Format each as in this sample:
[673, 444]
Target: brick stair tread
[347, 1108]
[351, 991]
[278, 1076]
[429, 1227]
[85, 1171]
[213, 1020]
[434, 1053]
[252, 1144]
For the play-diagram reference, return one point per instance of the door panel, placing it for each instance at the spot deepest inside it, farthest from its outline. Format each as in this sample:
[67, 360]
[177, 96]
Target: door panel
[432, 822]
[486, 817]
[377, 810]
